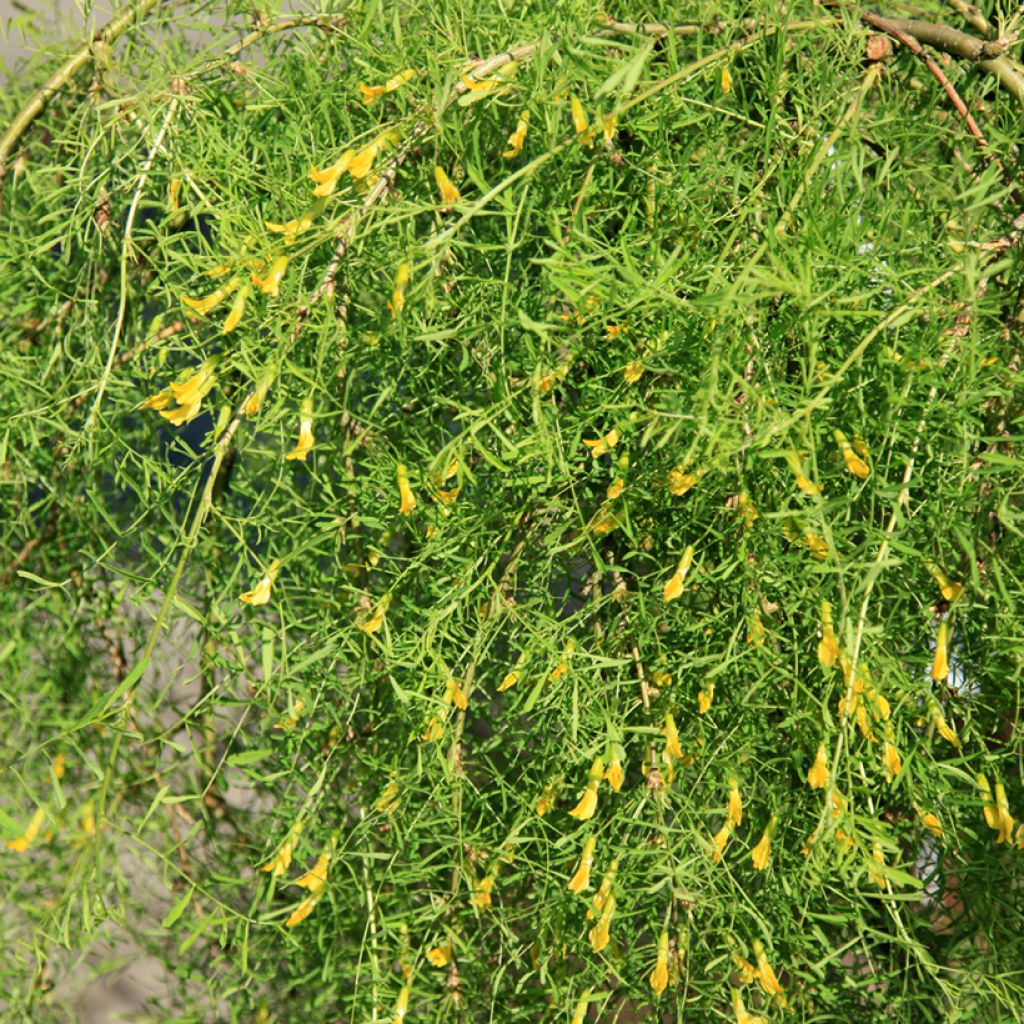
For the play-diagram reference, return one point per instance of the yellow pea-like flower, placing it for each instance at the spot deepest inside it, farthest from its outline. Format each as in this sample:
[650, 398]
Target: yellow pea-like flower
[854, 463]
[408, 499]
[950, 590]
[1004, 820]
[234, 317]
[726, 79]
[547, 799]
[316, 878]
[609, 124]
[302, 911]
[615, 488]
[257, 397]
[579, 1014]
[371, 93]
[449, 193]
[305, 443]
[614, 775]
[375, 621]
[579, 118]
[440, 956]
[397, 301]
[600, 934]
[260, 594]
[671, 734]
[940, 666]
[719, 841]
[659, 976]
[828, 645]
[930, 820]
[761, 853]
[766, 976]
[581, 879]
[473, 85]
[817, 545]
[877, 861]
[359, 166]
[680, 481]
[945, 730]
[518, 137]
[282, 859]
[734, 814]
[270, 283]
[747, 510]
[602, 445]
[204, 305]
[510, 680]
[891, 758]
[674, 587]
[433, 732]
[160, 400]
[326, 182]
[28, 837]
[742, 1016]
[401, 1005]
[705, 697]
[587, 805]
[196, 387]
[633, 372]
[988, 807]
[817, 776]
[482, 893]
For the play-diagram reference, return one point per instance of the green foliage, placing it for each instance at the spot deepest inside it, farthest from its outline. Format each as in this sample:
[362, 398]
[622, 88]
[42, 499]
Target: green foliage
[614, 345]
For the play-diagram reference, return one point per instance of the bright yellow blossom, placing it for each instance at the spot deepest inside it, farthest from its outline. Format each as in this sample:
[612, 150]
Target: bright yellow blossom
[518, 137]
[579, 118]
[434, 731]
[481, 898]
[374, 622]
[726, 79]
[449, 193]
[579, 1015]
[254, 402]
[674, 587]
[633, 372]
[260, 594]
[440, 956]
[1004, 820]
[234, 317]
[408, 499]
[877, 862]
[397, 302]
[705, 697]
[854, 463]
[305, 443]
[930, 821]
[680, 481]
[204, 305]
[196, 387]
[659, 976]
[766, 976]
[302, 911]
[581, 879]
[270, 283]
[828, 645]
[891, 757]
[671, 734]
[817, 777]
[326, 182]
[28, 837]
[372, 93]
[158, 401]
[401, 1005]
[761, 853]
[940, 666]
[599, 935]
[742, 1017]
[614, 775]
[718, 842]
[950, 591]
[734, 815]
[946, 731]
[282, 859]
[389, 798]
[604, 444]
[587, 805]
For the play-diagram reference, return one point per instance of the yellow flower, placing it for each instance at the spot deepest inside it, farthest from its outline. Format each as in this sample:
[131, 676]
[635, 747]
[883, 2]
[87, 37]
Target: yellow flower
[510, 680]
[25, 840]
[891, 757]
[373, 624]
[705, 697]
[674, 587]
[950, 591]
[988, 808]
[481, 898]
[397, 302]
[579, 1015]
[474, 86]
[828, 645]
[659, 976]
[609, 122]
[326, 182]
[762, 852]
[817, 777]
[254, 402]
[742, 1017]
[454, 694]
[440, 956]
[316, 878]
[270, 283]
[671, 734]
[585, 809]
[408, 499]
[359, 166]
[372, 93]
[680, 481]
[755, 635]
[389, 799]
[158, 401]
[946, 731]
[547, 799]
[302, 911]
[1004, 820]
[305, 443]
[615, 488]
[748, 511]
[433, 732]
[196, 387]
[449, 193]
[726, 79]
[766, 975]
[579, 118]
[260, 594]
[182, 414]
[581, 879]
[614, 775]
[940, 667]
[854, 463]
[805, 484]
[718, 841]
[930, 821]
[604, 444]
[633, 372]
[282, 859]
[518, 137]
[734, 815]
[401, 1005]
[57, 765]
[234, 317]
[600, 933]
[204, 305]
[818, 545]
